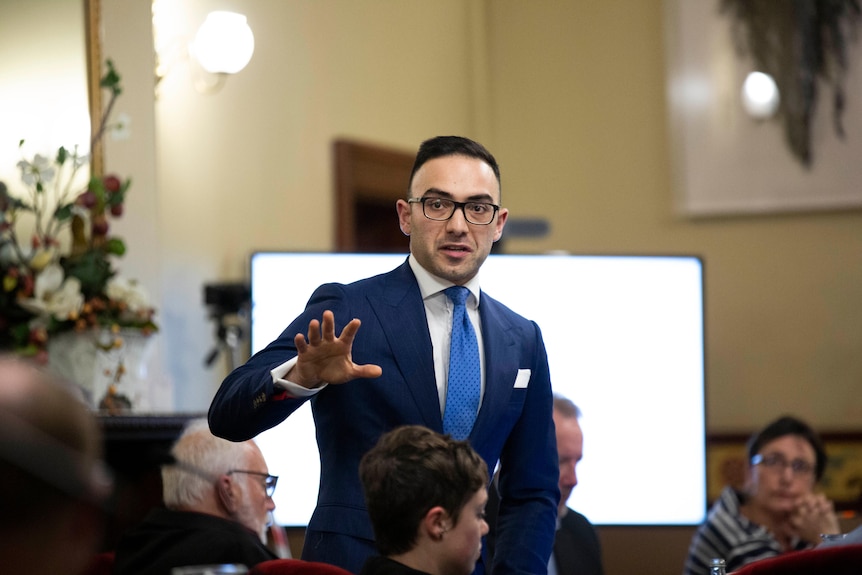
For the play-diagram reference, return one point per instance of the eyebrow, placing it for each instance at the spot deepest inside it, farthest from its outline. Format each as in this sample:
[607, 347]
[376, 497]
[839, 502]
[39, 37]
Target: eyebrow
[488, 198]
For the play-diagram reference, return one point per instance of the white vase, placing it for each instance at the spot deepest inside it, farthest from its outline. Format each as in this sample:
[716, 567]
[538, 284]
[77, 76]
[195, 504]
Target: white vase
[110, 368]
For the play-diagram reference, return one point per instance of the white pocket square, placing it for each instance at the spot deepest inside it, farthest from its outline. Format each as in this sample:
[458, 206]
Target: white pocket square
[522, 379]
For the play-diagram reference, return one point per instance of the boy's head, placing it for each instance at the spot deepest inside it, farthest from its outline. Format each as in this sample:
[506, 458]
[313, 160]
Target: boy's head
[423, 488]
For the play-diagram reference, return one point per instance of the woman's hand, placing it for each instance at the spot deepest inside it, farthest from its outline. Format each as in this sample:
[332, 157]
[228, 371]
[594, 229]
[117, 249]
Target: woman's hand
[814, 515]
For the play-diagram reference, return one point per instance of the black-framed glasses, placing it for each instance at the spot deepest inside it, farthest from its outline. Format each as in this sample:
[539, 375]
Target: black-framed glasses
[776, 461]
[441, 209]
[269, 481]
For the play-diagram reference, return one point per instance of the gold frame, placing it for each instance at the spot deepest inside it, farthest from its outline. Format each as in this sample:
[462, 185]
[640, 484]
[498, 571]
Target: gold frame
[93, 37]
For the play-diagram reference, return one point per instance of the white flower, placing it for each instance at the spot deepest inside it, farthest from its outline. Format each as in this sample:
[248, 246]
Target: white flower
[131, 292]
[55, 294]
[39, 170]
[122, 128]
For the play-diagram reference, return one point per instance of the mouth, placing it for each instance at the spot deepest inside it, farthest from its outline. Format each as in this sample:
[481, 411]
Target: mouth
[456, 250]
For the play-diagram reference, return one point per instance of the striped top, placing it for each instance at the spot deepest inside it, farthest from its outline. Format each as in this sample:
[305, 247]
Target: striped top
[729, 535]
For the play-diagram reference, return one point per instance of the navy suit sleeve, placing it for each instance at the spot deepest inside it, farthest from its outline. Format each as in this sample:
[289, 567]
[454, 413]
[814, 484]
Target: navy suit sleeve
[529, 474]
[248, 402]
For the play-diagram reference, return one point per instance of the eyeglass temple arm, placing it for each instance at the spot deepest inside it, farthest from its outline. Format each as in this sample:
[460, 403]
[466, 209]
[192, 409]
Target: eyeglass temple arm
[169, 459]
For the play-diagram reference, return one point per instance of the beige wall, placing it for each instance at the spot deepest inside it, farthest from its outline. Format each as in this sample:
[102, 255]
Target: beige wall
[580, 121]
[570, 97]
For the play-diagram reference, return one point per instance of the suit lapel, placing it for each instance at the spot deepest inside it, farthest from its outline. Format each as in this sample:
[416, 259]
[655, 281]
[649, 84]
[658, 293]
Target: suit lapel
[399, 307]
[501, 367]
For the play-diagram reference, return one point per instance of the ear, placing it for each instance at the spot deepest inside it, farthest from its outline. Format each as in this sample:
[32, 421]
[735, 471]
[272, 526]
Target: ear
[403, 209]
[227, 494]
[502, 216]
[436, 523]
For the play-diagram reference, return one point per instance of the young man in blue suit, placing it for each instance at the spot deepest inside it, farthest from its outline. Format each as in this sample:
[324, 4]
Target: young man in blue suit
[393, 371]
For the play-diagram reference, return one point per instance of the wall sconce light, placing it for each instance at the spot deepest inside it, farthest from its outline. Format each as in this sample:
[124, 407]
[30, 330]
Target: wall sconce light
[760, 97]
[224, 43]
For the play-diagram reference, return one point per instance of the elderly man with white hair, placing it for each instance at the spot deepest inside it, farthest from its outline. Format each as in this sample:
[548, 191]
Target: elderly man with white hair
[218, 497]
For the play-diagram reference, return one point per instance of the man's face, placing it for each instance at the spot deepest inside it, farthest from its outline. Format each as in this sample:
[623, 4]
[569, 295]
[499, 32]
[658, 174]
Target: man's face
[453, 249]
[255, 505]
[570, 448]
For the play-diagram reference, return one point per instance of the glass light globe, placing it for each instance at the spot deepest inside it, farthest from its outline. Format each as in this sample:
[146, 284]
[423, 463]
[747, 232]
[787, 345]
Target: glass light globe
[760, 97]
[224, 43]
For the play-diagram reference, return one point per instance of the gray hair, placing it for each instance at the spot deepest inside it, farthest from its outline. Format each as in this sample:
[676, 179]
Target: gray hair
[198, 448]
[566, 407]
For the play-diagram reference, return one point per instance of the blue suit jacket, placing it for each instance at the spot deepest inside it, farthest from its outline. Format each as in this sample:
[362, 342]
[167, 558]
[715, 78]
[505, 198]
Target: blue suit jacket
[514, 425]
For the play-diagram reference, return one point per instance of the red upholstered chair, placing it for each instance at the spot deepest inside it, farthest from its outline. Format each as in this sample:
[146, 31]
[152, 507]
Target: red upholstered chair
[101, 564]
[296, 567]
[838, 560]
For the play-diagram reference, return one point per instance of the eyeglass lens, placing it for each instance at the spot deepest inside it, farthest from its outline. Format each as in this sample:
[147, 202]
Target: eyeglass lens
[442, 209]
[269, 481]
[797, 466]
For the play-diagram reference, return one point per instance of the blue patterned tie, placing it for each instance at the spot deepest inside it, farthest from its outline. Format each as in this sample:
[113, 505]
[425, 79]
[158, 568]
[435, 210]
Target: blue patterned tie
[464, 383]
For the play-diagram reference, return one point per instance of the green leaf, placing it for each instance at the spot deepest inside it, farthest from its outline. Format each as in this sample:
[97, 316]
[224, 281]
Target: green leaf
[92, 269]
[115, 246]
[111, 79]
[64, 212]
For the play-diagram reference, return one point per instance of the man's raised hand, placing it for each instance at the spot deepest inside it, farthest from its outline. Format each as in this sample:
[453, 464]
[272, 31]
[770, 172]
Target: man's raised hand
[324, 358]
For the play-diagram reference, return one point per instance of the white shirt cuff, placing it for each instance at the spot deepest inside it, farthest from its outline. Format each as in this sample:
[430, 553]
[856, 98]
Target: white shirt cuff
[292, 388]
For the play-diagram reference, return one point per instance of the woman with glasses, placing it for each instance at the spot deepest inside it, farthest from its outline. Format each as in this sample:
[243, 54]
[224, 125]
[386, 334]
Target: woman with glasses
[777, 510]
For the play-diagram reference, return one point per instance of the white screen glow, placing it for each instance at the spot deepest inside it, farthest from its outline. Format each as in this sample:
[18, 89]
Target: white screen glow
[624, 336]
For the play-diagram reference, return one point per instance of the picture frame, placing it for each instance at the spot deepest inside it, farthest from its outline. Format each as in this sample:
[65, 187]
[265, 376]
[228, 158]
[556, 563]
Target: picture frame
[726, 163]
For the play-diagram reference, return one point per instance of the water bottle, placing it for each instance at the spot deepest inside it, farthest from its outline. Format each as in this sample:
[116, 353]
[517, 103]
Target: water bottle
[718, 567]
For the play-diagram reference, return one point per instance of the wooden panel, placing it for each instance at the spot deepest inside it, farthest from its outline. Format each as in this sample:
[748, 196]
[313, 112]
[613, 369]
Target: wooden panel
[135, 447]
[368, 180]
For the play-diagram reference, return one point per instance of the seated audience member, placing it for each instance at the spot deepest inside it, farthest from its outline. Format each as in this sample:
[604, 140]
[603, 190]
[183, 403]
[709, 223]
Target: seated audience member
[426, 497]
[54, 482]
[778, 510]
[577, 550]
[218, 497]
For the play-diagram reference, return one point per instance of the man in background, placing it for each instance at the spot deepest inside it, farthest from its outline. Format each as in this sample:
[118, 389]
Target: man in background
[576, 545]
[218, 497]
[577, 550]
[54, 484]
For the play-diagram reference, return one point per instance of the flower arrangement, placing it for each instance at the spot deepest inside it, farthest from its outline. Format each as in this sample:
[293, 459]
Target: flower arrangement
[56, 251]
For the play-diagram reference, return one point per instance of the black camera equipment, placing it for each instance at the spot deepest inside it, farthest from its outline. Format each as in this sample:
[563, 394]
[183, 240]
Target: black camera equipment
[229, 305]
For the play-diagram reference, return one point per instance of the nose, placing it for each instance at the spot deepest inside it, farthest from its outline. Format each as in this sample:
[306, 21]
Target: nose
[458, 221]
[568, 476]
[787, 472]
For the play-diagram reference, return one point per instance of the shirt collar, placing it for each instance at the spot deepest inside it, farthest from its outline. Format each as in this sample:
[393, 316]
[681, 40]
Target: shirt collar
[430, 285]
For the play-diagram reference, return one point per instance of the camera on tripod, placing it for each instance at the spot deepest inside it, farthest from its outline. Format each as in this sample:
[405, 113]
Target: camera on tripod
[229, 305]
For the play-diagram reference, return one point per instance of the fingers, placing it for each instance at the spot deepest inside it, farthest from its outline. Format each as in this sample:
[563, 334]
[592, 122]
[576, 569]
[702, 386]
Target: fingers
[320, 331]
[814, 515]
[328, 326]
[348, 334]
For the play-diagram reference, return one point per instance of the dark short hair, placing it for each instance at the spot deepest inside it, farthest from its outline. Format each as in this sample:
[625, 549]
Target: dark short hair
[788, 425]
[442, 146]
[411, 470]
